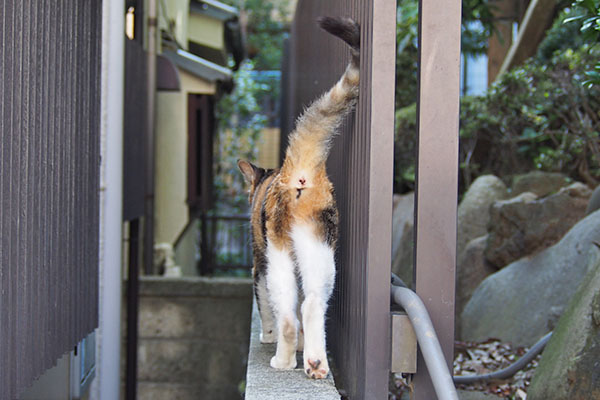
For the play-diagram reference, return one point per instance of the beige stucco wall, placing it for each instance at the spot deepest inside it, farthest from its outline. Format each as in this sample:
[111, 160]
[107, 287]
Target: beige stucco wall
[187, 250]
[177, 11]
[192, 84]
[205, 30]
[171, 211]
[191, 26]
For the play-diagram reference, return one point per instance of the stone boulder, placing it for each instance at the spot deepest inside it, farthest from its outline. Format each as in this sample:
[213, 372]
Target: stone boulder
[471, 269]
[594, 203]
[570, 364]
[521, 302]
[525, 225]
[402, 236]
[473, 210]
[539, 182]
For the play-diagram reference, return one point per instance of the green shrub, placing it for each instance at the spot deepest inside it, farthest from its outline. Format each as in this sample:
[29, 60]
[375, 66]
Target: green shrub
[404, 148]
[535, 117]
[407, 53]
[589, 22]
[561, 36]
[239, 125]
[476, 28]
[538, 116]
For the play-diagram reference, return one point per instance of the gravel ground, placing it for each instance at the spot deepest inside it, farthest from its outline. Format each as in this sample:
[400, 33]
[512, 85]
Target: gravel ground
[474, 358]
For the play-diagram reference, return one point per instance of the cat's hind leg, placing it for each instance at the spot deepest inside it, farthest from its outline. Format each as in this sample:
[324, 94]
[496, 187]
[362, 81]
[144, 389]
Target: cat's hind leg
[300, 346]
[317, 269]
[267, 320]
[283, 295]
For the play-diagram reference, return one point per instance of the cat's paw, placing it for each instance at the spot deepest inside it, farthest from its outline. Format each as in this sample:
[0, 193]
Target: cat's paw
[316, 368]
[280, 363]
[268, 337]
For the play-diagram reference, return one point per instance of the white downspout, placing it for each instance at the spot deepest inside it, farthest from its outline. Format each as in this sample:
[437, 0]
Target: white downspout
[108, 377]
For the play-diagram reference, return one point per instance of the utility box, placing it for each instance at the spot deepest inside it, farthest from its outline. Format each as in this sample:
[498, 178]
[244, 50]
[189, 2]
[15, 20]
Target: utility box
[404, 344]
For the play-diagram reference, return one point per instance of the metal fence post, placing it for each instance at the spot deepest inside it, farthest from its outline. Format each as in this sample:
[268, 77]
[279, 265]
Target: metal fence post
[437, 173]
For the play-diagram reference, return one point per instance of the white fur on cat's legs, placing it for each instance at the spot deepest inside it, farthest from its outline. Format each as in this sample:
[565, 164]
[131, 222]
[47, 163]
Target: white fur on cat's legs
[267, 320]
[285, 356]
[315, 355]
[300, 346]
[283, 295]
[317, 269]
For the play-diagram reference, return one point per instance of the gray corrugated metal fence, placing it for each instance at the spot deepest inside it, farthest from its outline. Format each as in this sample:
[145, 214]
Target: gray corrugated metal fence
[361, 168]
[49, 160]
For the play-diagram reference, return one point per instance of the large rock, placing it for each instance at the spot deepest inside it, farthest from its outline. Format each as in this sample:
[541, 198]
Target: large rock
[570, 364]
[524, 225]
[471, 269]
[539, 182]
[473, 210]
[402, 236]
[521, 302]
[594, 203]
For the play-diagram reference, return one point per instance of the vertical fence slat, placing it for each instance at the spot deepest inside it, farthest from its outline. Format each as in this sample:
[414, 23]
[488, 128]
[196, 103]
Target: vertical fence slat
[16, 155]
[93, 216]
[3, 303]
[49, 160]
[381, 165]
[437, 173]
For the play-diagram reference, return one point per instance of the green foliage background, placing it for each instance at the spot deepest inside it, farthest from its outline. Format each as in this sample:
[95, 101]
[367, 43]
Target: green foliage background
[240, 116]
[538, 116]
[543, 115]
[588, 16]
[240, 122]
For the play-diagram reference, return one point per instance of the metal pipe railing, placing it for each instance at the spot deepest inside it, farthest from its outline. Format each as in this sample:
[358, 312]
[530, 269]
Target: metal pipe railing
[432, 351]
[428, 342]
[512, 369]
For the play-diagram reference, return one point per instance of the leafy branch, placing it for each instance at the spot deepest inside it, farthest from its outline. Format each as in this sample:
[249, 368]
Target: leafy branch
[589, 21]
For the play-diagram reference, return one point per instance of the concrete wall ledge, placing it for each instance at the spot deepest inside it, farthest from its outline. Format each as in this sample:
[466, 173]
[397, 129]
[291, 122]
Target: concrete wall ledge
[266, 383]
[193, 337]
[194, 286]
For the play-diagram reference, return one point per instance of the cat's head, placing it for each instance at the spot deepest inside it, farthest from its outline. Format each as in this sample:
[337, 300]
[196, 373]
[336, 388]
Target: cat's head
[253, 174]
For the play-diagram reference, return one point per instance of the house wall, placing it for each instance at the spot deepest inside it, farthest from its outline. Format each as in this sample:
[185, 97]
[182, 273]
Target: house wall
[178, 12]
[187, 249]
[54, 384]
[205, 30]
[171, 211]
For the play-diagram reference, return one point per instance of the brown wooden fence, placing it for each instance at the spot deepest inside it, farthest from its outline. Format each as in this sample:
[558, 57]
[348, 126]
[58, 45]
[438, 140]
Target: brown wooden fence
[361, 168]
[49, 181]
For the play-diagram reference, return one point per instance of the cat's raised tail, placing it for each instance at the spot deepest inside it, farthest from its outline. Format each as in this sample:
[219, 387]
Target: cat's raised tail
[346, 29]
[310, 142]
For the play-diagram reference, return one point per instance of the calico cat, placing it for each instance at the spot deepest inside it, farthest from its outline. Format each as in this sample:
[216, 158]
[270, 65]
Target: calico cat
[294, 222]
